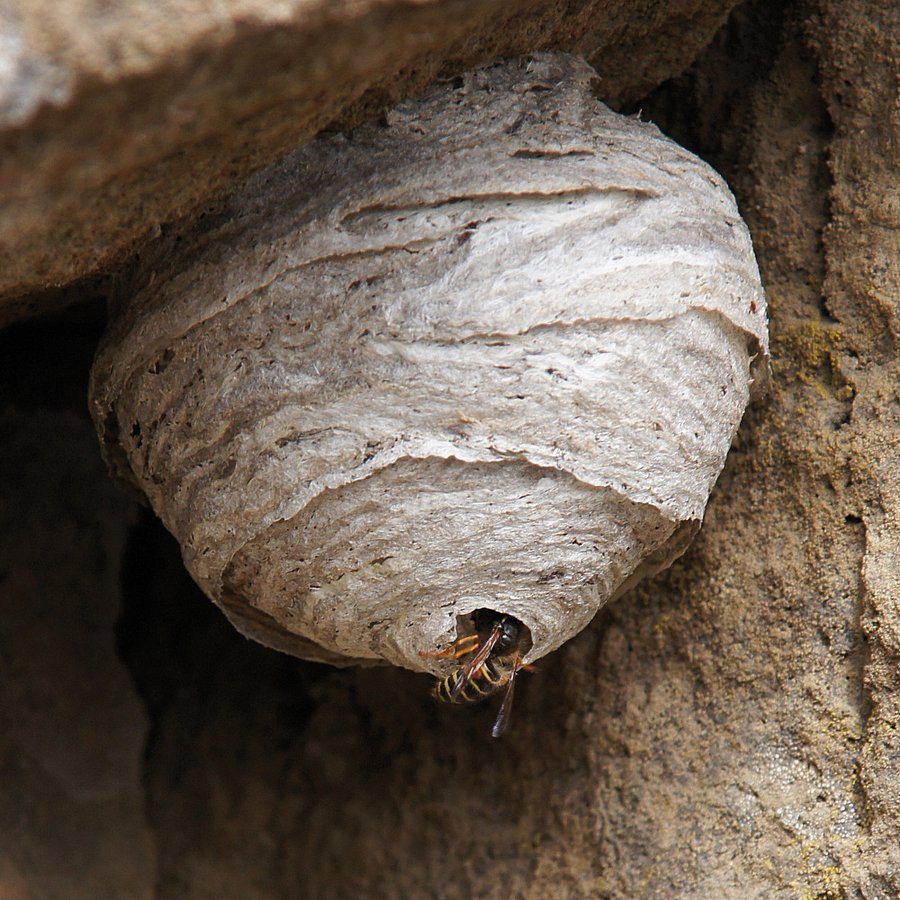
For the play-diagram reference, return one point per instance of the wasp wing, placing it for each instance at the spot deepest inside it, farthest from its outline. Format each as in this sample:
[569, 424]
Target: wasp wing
[506, 707]
[477, 661]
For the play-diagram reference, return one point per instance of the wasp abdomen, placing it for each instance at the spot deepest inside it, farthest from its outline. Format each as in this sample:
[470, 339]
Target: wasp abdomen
[486, 681]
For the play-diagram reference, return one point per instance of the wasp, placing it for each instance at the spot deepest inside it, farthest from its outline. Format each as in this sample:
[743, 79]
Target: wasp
[496, 649]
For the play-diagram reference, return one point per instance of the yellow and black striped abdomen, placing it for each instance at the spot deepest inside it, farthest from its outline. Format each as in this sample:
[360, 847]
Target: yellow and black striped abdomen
[486, 681]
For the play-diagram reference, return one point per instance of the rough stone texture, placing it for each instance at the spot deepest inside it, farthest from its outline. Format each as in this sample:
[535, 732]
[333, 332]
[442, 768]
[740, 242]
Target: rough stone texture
[861, 71]
[117, 118]
[489, 353]
[730, 730]
[72, 728]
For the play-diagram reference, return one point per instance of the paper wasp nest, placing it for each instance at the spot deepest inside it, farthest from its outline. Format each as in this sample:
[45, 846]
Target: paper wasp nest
[488, 353]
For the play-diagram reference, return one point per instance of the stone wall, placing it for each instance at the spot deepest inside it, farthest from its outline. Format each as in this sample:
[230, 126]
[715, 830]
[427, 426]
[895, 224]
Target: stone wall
[729, 729]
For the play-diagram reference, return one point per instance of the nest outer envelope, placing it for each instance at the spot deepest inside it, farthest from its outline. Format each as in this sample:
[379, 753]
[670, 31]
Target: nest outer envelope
[489, 352]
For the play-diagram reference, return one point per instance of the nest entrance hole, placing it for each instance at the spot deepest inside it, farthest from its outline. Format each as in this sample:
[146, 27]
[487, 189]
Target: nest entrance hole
[481, 621]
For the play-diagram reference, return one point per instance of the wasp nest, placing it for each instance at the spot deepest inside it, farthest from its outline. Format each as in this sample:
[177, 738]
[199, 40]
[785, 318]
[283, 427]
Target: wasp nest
[489, 353]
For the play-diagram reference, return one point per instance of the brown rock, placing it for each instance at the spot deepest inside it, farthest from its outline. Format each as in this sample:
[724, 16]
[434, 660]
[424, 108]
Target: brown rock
[72, 728]
[724, 732]
[730, 731]
[116, 119]
[857, 43]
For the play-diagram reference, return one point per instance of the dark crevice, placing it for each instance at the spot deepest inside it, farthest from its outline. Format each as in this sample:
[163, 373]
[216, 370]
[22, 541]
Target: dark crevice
[194, 672]
[700, 110]
[45, 362]
[173, 639]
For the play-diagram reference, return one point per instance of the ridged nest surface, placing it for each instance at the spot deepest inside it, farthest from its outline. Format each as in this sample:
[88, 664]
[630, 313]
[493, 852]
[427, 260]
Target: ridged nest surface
[490, 352]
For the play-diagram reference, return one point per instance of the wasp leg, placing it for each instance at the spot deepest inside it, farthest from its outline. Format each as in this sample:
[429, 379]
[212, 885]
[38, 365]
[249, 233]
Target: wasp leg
[460, 647]
[476, 663]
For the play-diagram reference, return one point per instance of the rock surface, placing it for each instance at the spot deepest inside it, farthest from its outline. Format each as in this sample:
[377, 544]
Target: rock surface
[72, 728]
[730, 730]
[115, 119]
